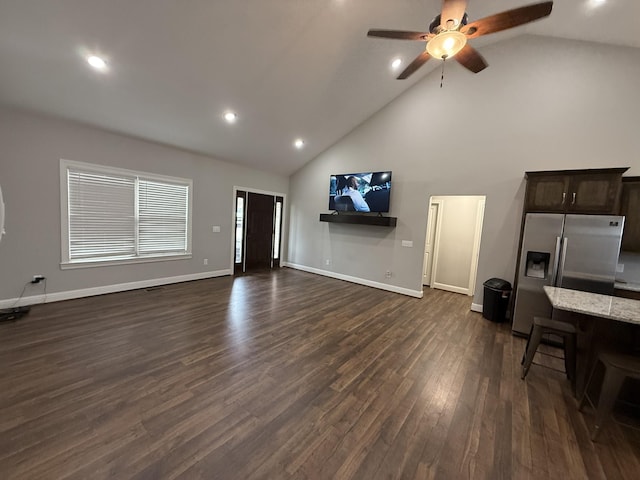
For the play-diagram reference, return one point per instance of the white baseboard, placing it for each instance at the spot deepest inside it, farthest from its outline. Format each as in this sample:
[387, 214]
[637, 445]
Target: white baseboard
[476, 307]
[120, 287]
[359, 281]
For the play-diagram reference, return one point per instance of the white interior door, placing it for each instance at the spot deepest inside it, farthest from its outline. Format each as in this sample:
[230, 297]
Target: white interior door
[428, 247]
[457, 243]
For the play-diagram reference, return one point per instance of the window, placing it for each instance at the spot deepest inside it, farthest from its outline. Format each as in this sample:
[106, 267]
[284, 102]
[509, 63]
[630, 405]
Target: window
[239, 235]
[277, 224]
[121, 216]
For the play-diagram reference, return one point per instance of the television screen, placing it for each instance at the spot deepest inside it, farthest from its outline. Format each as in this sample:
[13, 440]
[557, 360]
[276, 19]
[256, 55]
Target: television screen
[360, 192]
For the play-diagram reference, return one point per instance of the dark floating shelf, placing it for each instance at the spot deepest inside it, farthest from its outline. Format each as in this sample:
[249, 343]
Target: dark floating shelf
[359, 219]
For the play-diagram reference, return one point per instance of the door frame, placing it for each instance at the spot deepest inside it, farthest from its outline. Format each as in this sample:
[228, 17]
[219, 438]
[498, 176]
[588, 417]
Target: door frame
[475, 253]
[436, 239]
[232, 256]
[432, 228]
[476, 246]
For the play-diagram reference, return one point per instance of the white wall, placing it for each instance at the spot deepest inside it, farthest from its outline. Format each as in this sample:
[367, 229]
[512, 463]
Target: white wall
[31, 147]
[542, 104]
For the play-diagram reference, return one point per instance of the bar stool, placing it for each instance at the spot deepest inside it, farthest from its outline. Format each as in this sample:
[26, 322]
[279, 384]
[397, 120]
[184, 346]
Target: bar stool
[617, 367]
[565, 330]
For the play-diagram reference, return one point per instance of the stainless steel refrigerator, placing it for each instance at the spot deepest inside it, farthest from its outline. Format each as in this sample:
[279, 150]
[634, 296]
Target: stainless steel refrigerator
[579, 252]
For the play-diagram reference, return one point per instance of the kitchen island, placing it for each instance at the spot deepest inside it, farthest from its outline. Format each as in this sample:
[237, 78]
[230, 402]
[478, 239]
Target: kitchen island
[593, 304]
[602, 321]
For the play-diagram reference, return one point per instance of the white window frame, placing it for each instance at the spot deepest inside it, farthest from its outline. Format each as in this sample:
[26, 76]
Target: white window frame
[67, 263]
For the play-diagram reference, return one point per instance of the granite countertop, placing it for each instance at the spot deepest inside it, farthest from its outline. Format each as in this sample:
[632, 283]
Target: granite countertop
[604, 306]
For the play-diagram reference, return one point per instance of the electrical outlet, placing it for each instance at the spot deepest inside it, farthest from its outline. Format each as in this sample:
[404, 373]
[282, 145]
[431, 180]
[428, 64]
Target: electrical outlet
[387, 274]
[620, 268]
[37, 278]
[327, 262]
[205, 261]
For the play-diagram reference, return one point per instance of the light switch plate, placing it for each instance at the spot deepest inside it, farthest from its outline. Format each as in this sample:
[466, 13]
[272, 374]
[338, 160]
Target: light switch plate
[407, 243]
[216, 229]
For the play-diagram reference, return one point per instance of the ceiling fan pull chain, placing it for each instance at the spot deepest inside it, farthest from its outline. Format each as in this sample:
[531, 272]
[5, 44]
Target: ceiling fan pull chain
[444, 59]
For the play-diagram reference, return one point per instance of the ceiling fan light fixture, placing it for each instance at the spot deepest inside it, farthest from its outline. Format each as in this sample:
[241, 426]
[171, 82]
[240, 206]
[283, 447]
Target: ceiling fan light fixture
[446, 44]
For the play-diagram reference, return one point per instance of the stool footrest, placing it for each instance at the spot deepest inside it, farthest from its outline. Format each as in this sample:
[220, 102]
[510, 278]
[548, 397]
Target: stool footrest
[542, 326]
[549, 324]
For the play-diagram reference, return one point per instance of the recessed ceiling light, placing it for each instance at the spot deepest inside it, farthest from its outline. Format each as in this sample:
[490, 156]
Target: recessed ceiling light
[395, 64]
[97, 62]
[596, 3]
[230, 117]
[298, 143]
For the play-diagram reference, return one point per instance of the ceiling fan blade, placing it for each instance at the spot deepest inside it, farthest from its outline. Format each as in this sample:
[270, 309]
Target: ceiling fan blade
[508, 19]
[470, 59]
[415, 65]
[452, 10]
[398, 34]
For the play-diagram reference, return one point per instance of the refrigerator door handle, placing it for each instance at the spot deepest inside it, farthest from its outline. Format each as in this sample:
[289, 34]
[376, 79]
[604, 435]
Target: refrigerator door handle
[563, 257]
[556, 261]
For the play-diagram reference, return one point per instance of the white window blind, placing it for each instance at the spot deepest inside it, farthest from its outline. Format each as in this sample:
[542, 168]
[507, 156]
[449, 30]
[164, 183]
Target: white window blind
[120, 216]
[101, 216]
[162, 217]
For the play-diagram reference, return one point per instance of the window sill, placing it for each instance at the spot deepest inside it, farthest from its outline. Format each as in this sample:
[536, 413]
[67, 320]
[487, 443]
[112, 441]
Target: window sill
[123, 261]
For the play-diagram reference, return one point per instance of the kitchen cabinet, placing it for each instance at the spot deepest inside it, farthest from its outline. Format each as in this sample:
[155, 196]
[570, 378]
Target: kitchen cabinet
[546, 193]
[630, 208]
[574, 191]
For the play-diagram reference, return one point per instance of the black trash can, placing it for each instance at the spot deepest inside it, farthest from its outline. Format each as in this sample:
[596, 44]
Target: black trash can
[496, 299]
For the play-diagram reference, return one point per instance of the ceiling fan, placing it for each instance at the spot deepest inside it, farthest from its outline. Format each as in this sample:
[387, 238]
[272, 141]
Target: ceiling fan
[448, 33]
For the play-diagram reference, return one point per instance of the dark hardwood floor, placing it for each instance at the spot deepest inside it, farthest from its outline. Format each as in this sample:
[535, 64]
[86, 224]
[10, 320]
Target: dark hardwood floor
[286, 375]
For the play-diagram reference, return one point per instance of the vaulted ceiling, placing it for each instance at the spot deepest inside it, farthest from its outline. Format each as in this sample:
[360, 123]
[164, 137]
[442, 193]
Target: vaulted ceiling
[288, 68]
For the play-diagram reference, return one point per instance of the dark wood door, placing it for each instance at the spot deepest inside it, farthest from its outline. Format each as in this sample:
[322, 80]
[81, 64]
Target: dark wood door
[259, 236]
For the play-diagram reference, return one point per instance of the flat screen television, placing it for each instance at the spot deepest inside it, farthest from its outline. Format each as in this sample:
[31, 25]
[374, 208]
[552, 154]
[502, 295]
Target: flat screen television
[360, 192]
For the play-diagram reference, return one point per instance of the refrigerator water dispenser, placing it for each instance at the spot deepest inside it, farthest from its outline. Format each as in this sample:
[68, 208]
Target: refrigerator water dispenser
[537, 264]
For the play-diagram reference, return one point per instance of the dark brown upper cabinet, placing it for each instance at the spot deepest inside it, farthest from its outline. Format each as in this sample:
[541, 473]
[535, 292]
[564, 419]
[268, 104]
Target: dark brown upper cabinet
[630, 208]
[574, 191]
